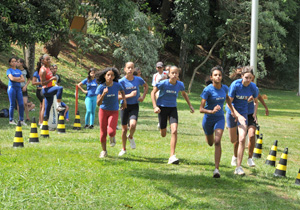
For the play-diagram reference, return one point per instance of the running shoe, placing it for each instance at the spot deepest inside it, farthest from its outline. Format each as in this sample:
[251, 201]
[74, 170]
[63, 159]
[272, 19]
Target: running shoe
[239, 171]
[112, 141]
[173, 160]
[91, 127]
[216, 173]
[132, 142]
[103, 154]
[60, 108]
[123, 152]
[86, 126]
[233, 161]
[23, 123]
[27, 120]
[12, 123]
[250, 162]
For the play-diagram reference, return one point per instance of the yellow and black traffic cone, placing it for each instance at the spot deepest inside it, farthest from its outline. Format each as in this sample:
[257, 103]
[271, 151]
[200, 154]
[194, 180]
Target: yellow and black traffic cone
[297, 182]
[77, 125]
[271, 159]
[33, 136]
[45, 128]
[61, 128]
[258, 147]
[281, 166]
[18, 140]
[257, 131]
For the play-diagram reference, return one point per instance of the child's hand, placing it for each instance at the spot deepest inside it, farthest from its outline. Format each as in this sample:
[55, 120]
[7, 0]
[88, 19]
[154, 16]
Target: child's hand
[133, 93]
[157, 110]
[192, 109]
[105, 90]
[216, 108]
[141, 99]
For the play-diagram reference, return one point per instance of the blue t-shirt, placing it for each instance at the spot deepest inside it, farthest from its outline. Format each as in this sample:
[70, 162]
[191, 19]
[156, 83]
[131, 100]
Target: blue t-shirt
[14, 73]
[168, 93]
[110, 100]
[38, 79]
[240, 93]
[214, 97]
[251, 104]
[90, 86]
[131, 85]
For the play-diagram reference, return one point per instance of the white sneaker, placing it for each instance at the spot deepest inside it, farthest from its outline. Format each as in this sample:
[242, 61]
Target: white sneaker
[158, 126]
[233, 161]
[123, 152]
[60, 108]
[216, 173]
[112, 141]
[12, 123]
[132, 142]
[103, 154]
[23, 123]
[173, 160]
[239, 171]
[250, 162]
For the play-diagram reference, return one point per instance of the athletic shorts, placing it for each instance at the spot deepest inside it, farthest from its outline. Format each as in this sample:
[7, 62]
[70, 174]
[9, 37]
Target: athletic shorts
[39, 95]
[25, 93]
[251, 120]
[211, 123]
[165, 114]
[130, 113]
[231, 121]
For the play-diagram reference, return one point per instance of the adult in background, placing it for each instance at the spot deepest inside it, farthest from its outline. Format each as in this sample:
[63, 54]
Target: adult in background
[90, 98]
[14, 91]
[49, 88]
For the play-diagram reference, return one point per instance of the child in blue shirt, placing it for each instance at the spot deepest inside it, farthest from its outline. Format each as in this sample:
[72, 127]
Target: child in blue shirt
[213, 98]
[131, 85]
[166, 107]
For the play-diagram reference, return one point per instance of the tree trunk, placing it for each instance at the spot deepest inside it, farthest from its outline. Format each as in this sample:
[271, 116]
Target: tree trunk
[184, 52]
[201, 64]
[165, 10]
[29, 57]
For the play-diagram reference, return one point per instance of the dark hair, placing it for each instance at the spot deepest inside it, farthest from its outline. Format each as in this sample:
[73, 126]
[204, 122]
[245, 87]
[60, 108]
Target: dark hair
[208, 81]
[135, 73]
[239, 67]
[89, 74]
[101, 76]
[39, 64]
[247, 69]
[216, 68]
[23, 62]
[12, 58]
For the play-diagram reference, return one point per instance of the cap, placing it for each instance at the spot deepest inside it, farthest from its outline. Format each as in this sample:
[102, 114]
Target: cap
[159, 64]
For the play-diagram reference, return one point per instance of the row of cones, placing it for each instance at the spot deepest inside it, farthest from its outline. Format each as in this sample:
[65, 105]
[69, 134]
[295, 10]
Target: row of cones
[280, 170]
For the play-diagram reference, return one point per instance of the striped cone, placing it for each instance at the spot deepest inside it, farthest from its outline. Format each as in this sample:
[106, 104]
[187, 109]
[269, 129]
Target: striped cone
[257, 131]
[45, 128]
[77, 125]
[33, 136]
[281, 166]
[271, 159]
[61, 128]
[258, 147]
[297, 182]
[18, 140]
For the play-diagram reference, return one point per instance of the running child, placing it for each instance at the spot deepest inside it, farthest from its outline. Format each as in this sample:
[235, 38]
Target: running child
[239, 92]
[49, 87]
[213, 98]
[22, 66]
[90, 98]
[36, 80]
[14, 91]
[107, 99]
[166, 107]
[131, 85]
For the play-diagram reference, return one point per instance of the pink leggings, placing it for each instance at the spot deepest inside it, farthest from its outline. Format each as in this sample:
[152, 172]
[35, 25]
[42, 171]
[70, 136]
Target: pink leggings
[108, 121]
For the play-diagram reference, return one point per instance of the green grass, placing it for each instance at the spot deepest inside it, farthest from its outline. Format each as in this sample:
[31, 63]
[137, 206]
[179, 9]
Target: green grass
[64, 171]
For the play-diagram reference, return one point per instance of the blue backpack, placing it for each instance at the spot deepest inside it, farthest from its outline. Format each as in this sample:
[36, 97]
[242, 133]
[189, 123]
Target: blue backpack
[4, 113]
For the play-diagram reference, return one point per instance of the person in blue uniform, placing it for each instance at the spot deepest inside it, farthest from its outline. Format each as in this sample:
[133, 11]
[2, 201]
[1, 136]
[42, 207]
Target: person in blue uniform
[213, 98]
[166, 107]
[131, 87]
[14, 91]
[239, 92]
[91, 97]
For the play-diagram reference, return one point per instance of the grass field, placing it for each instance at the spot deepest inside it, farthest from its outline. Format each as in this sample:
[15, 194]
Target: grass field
[64, 171]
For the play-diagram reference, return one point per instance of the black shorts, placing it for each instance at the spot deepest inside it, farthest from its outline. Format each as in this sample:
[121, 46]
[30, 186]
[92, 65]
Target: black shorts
[25, 93]
[251, 120]
[165, 114]
[39, 95]
[130, 113]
